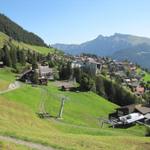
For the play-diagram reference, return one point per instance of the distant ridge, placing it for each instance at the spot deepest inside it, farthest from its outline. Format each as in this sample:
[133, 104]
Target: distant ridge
[118, 46]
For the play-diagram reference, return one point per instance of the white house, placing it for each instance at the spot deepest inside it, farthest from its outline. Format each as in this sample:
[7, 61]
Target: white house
[90, 64]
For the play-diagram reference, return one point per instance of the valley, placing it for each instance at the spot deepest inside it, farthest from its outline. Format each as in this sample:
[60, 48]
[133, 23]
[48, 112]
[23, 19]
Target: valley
[51, 100]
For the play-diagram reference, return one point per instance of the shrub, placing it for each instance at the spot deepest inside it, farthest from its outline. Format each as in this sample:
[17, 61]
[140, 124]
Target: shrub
[147, 131]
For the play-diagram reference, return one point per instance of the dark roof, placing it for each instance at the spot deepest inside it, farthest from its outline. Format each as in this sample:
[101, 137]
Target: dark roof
[26, 72]
[143, 109]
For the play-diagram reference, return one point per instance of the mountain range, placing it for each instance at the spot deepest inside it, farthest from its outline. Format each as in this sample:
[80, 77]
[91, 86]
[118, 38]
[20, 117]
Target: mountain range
[118, 46]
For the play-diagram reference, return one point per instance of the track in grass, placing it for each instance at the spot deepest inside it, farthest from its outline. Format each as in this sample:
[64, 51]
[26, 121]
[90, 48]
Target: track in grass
[25, 143]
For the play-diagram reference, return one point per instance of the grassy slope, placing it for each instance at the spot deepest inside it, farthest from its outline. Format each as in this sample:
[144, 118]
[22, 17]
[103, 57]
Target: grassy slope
[4, 38]
[18, 119]
[10, 146]
[147, 75]
[78, 107]
[6, 77]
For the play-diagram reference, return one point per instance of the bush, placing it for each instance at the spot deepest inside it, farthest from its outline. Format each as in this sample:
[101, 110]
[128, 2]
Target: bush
[147, 131]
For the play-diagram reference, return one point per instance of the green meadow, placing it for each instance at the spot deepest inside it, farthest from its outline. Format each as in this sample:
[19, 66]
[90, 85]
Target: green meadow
[78, 130]
[6, 77]
[147, 77]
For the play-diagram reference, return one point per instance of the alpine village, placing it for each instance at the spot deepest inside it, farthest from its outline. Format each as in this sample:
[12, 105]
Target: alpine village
[55, 100]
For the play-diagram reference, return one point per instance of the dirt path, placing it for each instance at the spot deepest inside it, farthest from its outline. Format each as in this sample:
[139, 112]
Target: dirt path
[25, 143]
[12, 86]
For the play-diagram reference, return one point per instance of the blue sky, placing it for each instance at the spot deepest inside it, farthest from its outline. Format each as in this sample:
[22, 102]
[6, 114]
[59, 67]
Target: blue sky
[76, 21]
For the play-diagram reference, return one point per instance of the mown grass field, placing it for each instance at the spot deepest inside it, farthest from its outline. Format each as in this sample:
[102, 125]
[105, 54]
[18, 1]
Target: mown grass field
[20, 121]
[78, 130]
[44, 50]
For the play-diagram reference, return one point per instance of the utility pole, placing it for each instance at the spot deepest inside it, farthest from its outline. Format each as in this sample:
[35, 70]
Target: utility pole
[61, 108]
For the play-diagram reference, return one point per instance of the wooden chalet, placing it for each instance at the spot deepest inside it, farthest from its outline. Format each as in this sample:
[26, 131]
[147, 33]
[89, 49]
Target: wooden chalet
[46, 72]
[27, 76]
[121, 111]
[126, 111]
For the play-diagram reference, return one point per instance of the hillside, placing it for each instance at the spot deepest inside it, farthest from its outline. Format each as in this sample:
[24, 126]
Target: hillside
[16, 32]
[119, 46]
[4, 39]
[78, 130]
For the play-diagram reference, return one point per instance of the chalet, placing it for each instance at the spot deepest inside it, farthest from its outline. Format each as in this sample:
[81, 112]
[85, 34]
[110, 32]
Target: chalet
[26, 76]
[130, 114]
[46, 72]
[128, 109]
[1, 64]
[122, 111]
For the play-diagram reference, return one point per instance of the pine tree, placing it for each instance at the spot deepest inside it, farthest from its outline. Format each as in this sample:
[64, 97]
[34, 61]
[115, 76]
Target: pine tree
[22, 58]
[35, 77]
[100, 86]
[1, 55]
[13, 55]
[7, 59]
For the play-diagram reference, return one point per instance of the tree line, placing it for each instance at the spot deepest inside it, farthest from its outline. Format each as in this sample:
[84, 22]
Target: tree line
[104, 87]
[11, 55]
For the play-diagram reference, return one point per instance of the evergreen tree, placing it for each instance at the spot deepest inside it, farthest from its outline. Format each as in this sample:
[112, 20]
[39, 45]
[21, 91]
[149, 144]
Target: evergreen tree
[7, 59]
[22, 58]
[1, 54]
[13, 55]
[100, 86]
[35, 77]
[77, 74]
[34, 61]
[86, 83]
